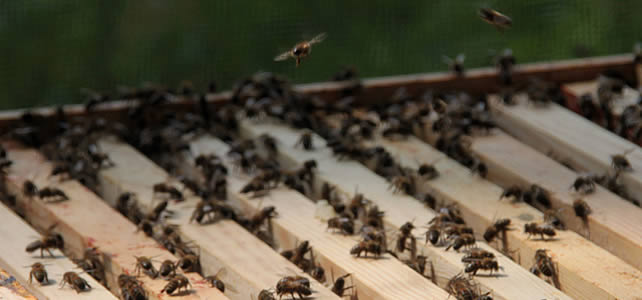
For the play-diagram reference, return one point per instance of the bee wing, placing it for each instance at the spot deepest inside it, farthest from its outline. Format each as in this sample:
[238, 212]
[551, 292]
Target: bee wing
[220, 272]
[231, 288]
[283, 56]
[318, 39]
[460, 58]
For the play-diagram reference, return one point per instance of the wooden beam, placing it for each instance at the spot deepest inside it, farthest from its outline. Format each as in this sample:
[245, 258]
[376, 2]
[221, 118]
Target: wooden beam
[573, 91]
[16, 234]
[250, 264]
[479, 201]
[349, 176]
[614, 224]
[11, 289]
[375, 90]
[85, 220]
[374, 279]
[570, 137]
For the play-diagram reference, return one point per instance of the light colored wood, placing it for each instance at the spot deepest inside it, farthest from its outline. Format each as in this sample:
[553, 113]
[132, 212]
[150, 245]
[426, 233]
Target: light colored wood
[385, 278]
[628, 97]
[11, 289]
[349, 176]
[609, 278]
[569, 137]
[250, 264]
[85, 220]
[615, 224]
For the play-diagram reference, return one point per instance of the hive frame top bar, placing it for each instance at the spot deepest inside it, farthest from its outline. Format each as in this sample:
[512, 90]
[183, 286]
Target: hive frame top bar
[475, 81]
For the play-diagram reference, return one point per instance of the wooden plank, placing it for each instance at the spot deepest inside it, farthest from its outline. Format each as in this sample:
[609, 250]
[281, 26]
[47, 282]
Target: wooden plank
[250, 264]
[374, 279]
[573, 91]
[614, 224]
[16, 234]
[349, 175]
[11, 289]
[476, 81]
[85, 220]
[584, 145]
[478, 200]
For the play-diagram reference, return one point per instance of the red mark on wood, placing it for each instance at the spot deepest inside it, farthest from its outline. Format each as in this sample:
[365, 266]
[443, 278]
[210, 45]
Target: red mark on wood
[91, 241]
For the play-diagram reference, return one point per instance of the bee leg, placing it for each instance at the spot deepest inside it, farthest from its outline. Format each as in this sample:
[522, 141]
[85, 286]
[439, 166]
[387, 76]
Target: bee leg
[30, 275]
[51, 254]
[46, 278]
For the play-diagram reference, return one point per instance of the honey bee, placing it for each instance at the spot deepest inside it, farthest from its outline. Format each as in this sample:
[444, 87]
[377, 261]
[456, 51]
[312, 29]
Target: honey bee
[338, 286]
[405, 234]
[427, 172]
[48, 241]
[29, 188]
[403, 183]
[171, 191]
[465, 289]
[293, 284]
[537, 195]
[584, 185]
[266, 295]
[582, 211]
[266, 214]
[476, 254]
[345, 225]
[535, 229]
[514, 192]
[495, 18]
[92, 264]
[176, 283]
[456, 65]
[52, 193]
[301, 50]
[620, 163]
[75, 281]
[368, 246]
[189, 263]
[544, 265]
[167, 269]
[459, 241]
[145, 265]
[482, 264]
[305, 141]
[500, 226]
[39, 273]
[551, 216]
[214, 280]
[131, 288]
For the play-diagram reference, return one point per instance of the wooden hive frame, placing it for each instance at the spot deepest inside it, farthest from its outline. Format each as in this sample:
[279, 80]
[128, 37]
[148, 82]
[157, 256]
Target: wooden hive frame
[373, 90]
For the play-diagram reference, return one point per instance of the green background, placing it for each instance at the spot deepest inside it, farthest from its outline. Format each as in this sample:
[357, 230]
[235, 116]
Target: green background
[51, 49]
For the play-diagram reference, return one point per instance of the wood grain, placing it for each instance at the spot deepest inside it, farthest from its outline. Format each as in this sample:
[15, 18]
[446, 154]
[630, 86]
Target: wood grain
[250, 264]
[85, 220]
[350, 176]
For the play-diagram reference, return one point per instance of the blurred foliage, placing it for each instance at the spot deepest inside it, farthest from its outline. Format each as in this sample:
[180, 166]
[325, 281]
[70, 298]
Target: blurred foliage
[51, 49]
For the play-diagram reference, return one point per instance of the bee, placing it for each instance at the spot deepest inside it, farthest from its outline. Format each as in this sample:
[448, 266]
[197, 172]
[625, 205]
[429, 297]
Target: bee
[456, 65]
[514, 192]
[620, 163]
[495, 18]
[482, 264]
[75, 281]
[476, 254]
[266, 214]
[301, 50]
[52, 193]
[203, 209]
[433, 234]
[49, 240]
[305, 141]
[551, 216]
[317, 272]
[172, 192]
[465, 289]
[298, 255]
[338, 286]
[158, 210]
[427, 172]
[131, 288]
[92, 264]
[145, 265]
[189, 263]
[535, 229]
[544, 265]
[39, 273]
[403, 183]
[459, 241]
[214, 280]
[537, 195]
[29, 188]
[167, 269]
[293, 284]
[479, 168]
[582, 211]
[345, 225]
[368, 246]
[584, 185]
[266, 295]
[176, 283]
[492, 231]
[405, 233]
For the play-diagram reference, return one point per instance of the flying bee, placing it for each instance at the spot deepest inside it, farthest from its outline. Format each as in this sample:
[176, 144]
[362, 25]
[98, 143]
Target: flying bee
[482, 264]
[535, 229]
[459, 241]
[145, 265]
[39, 273]
[167, 269]
[305, 141]
[52, 193]
[176, 283]
[48, 241]
[495, 18]
[131, 288]
[301, 50]
[189, 263]
[345, 225]
[456, 65]
[293, 284]
[29, 188]
[584, 185]
[75, 281]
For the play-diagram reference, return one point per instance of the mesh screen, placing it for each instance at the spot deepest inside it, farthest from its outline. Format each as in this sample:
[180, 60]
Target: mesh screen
[51, 49]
